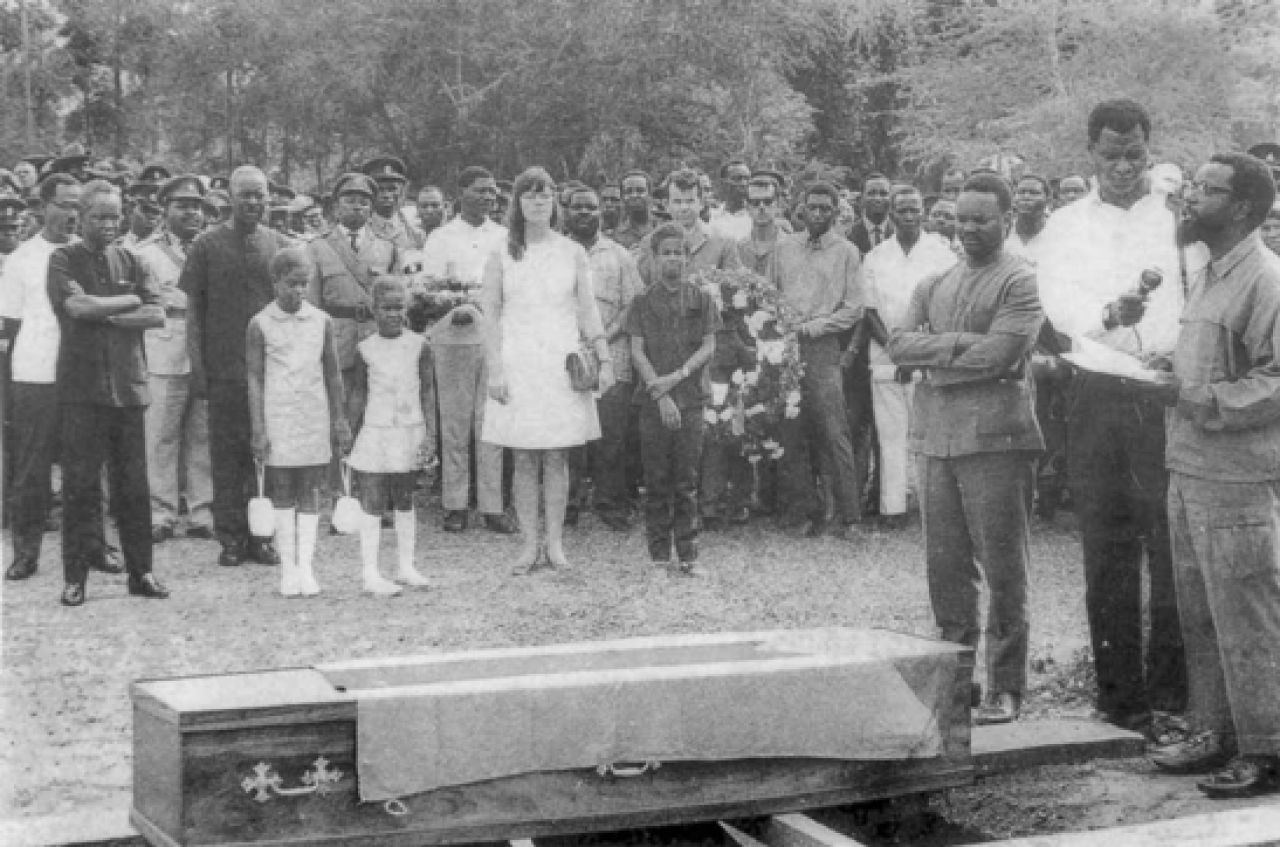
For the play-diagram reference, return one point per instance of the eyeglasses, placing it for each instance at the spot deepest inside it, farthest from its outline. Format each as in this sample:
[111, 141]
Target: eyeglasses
[66, 205]
[760, 202]
[1204, 188]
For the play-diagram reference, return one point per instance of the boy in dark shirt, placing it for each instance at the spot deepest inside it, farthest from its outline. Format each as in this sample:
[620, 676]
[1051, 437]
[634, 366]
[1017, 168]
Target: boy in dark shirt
[673, 333]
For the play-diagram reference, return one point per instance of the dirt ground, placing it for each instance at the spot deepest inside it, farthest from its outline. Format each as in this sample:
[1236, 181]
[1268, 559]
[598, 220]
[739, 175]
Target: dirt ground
[65, 720]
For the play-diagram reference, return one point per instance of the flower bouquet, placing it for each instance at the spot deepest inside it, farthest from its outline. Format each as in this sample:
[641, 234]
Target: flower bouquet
[750, 407]
[433, 297]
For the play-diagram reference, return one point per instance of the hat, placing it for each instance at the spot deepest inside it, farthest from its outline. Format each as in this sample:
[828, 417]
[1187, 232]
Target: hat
[73, 156]
[184, 187]
[300, 204]
[386, 167]
[766, 173]
[359, 183]
[142, 191]
[155, 173]
[281, 191]
[219, 183]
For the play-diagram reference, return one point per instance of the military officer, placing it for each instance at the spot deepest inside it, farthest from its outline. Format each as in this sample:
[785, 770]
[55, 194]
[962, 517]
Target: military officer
[390, 177]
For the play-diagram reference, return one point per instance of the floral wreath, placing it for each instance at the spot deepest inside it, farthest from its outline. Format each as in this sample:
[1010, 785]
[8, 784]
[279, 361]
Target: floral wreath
[749, 409]
[432, 297]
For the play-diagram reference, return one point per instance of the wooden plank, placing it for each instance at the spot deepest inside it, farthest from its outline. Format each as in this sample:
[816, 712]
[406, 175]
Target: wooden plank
[1026, 744]
[521, 842]
[1258, 825]
[802, 831]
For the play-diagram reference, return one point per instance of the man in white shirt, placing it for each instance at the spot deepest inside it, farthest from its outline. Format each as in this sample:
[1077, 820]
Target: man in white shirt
[1030, 204]
[733, 219]
[892, 271]
[1089, 269]
[31, 325]
[459, 249]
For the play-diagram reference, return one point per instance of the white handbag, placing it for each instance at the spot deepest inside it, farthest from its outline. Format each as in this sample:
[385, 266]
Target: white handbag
[262, 518]
[347, 511]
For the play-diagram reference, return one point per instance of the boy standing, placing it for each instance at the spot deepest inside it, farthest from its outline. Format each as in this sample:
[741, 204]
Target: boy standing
[673, 334]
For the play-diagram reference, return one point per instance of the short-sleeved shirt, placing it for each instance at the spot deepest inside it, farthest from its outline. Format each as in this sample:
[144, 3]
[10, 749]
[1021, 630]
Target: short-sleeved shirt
[227, 279]
[673, 324]
[24, 296]
[100, 363]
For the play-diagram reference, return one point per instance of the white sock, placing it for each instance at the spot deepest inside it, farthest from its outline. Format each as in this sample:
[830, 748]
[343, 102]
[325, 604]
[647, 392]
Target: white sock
[406, 532]
[370, 537]
[308, 527]
[285, 541]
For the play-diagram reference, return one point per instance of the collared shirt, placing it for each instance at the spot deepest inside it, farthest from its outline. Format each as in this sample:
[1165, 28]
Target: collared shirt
[164, 255]
[1029, 248]
[706, 251]
[24, 296]
[616, 282]
[877, 232]
[891, 275]
[396, 229]
[99, 363]
[227, 280]
[462, 247]
[673, 324]
[1091, 252]
[1226, 425]
[822, 283]
[757, 256]
[734, 226]
[628, 234]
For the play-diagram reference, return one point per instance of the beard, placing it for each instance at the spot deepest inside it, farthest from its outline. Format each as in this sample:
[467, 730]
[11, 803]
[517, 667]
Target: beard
[1191, 230]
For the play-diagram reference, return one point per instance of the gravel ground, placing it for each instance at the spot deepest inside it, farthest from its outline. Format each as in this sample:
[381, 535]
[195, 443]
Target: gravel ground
[66, 728]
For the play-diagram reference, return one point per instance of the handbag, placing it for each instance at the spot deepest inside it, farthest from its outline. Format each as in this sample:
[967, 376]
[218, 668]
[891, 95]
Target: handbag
[262, 517]
[583, 368]
[347, 510]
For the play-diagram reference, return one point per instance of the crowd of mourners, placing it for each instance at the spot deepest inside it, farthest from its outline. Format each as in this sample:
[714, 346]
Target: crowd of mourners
[223, 357]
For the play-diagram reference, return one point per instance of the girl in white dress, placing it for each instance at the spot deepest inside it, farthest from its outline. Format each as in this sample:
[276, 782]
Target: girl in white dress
[539, 305]
[392, 400]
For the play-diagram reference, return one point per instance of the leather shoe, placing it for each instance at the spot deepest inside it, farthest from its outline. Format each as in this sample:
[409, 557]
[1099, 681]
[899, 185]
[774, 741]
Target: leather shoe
[231, 556]
[108, 561]
[262, 551]
[199, 531]
[161, 533]
[147, 586]
[22, 568]
[1245, 776]
[455, 520]
[740, 516]
[815, 528]
[1199, 753]
[501, 524]
[571, 515]
[73, 594]
[1001, 708]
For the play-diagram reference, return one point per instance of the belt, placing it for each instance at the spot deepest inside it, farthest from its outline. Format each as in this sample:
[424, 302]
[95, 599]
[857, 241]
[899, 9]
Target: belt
[355, 313]
[175, 313]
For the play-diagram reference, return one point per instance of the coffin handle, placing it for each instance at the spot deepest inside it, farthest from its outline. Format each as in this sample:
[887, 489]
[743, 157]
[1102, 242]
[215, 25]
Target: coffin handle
[628, 771]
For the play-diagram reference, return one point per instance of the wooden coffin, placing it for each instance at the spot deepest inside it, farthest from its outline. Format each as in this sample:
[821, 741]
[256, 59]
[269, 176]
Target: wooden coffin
[519, 743]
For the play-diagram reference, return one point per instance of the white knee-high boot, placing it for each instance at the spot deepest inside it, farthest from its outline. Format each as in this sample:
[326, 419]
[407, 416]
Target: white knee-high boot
[308, 527]
[286, 537]
[406, 531]
[370, 536]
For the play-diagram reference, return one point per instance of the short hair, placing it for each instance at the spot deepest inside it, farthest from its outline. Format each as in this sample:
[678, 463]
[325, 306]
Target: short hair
[822, 187]
[434, 188]
[648, 183]
[662, 233]
[94, 189]
[1251, 181]
[580, 188]
[685, 179]
[724, 169]
[1120, 115]
[470, 174]
[1044, 183]
[872, 178]
[989, 182]
[288, 260]
[901, 190]
[385, 285]
[49, 185]
[765, 182]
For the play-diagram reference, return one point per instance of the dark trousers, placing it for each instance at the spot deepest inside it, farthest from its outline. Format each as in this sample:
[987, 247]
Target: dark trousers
[1119, 486]
[33, 442]
[609, 452]
[671, 481]
[93, 435]
[860, 412]
[1051, 471]
[234, 481]
[976, 508]
[822, 429]
[726, 479]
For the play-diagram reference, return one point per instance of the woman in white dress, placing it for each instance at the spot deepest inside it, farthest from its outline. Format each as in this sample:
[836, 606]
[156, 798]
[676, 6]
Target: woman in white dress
[539, 305]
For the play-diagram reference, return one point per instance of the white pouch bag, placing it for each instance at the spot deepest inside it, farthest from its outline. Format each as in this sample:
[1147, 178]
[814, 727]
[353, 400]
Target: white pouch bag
[262, 517]
[347, 511]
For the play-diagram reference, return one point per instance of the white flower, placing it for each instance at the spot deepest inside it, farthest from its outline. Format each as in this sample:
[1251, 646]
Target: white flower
[740, 300]
[793, 397]
[792, 412]
[751, 378]
[757, 320]
[736, 377]
[757, 409]
[770, 444]
[719, 391]
[777, 454]
[754, 457]
[726, 415]
[709, 415]
[774, 354]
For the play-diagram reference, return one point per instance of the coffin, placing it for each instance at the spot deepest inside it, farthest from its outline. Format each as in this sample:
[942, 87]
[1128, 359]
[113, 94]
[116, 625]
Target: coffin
[518, 743]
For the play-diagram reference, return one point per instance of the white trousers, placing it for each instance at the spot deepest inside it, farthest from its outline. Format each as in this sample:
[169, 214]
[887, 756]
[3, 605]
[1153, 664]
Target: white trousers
[891, 405]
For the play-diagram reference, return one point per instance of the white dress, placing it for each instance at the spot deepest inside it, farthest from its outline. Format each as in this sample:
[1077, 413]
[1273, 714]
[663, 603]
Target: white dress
[538, 329]
[393, 431]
